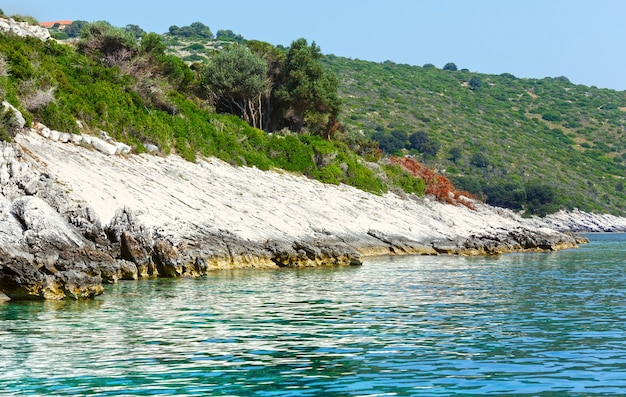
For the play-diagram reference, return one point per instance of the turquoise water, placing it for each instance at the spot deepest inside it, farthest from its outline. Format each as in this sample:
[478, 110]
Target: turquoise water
[522, 324]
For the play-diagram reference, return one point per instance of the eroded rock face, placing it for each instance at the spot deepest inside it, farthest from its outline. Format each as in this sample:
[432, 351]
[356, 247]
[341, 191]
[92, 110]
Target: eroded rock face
[66, 274]
[54, 246]
[43, 226]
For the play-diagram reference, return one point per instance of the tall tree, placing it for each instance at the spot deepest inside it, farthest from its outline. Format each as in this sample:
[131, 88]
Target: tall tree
[274, 58]
[308, 95]
[237, 77]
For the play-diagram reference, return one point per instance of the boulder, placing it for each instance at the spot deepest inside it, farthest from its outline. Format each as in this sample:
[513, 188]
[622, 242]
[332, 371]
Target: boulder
[43, 226]
[103, 146]
[166, 259]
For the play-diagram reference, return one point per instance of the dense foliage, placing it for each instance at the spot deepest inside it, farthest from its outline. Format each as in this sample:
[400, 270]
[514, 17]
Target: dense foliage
[533, 144]
[139, 94]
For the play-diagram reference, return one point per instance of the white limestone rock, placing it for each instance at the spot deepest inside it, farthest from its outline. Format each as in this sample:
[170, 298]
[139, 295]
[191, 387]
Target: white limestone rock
[43, 224]
[103, 146]
[23, 29]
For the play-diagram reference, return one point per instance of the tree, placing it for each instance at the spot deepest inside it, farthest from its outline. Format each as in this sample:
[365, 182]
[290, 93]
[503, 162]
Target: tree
[393, 141]
[238, 79]
[196, 29]
[202, 30]
[135, 30]
[450, 66]
[421, 142]
[475, 83]
[479, 160]
[74, 28]
[541, 198]
[274, 58]
[229, 35]
[308, 95]
[507, 194]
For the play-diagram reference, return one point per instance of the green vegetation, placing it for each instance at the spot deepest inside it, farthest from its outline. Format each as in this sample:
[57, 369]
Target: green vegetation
[139, 94]
[536, 145]
[497, 136]
[237, 78]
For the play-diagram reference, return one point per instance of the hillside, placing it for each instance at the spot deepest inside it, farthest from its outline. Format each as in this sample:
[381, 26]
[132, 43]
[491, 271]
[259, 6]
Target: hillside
[113, 85]
[495, 135]
[525, 144]
[532, 144]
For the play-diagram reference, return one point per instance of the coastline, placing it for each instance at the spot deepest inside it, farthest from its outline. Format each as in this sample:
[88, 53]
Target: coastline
[77, 215]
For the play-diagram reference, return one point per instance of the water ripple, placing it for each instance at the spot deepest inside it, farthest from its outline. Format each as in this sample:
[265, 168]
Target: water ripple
[522, 324]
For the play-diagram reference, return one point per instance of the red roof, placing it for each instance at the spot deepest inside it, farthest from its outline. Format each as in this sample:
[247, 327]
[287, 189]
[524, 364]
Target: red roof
[51, 24]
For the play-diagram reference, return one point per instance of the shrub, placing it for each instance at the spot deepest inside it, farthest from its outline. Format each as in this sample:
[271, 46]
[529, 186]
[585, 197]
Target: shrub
[551, 116]
[25, 18]
[437, 185]
[8, 124]
[60, 35]
[479, 159]
[475, 83]
[288, 153]
[110, 45]
[401, 178]
[450, 66]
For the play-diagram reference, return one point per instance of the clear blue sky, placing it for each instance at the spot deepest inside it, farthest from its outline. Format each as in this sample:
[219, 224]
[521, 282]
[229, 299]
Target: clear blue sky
[580, 39]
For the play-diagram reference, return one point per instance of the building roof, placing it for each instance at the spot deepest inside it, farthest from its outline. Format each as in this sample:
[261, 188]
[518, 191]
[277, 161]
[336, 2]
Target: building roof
[51, 24]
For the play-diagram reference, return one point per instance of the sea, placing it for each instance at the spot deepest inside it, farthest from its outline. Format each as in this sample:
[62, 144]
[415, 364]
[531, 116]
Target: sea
[522, 324]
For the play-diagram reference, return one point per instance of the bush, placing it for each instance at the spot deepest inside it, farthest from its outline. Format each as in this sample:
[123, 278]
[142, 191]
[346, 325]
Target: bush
[399, 177]
[479, 160]
[8, 124]
[450, 66]
[25, 18]
[288, 153]
[551, 116]
[110, 45]
[506, 194]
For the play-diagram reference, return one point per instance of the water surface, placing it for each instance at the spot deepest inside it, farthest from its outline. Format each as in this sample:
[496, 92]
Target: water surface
[550, 324]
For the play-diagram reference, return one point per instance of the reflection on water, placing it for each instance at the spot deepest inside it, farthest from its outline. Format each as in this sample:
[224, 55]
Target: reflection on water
[520, 324]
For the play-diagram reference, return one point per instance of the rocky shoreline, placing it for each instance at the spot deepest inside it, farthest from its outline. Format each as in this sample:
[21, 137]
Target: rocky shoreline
[78, 212]
[74, 217]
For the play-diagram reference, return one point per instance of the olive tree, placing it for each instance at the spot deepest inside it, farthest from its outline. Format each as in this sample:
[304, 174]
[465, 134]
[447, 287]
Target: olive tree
[237, 78]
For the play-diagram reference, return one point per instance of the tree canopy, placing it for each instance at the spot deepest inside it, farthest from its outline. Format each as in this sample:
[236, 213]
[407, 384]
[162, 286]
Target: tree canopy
[308, 94]
[196, 29]
[237, 78]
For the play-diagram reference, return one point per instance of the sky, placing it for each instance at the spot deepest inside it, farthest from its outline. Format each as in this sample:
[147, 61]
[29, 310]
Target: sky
[582, 40]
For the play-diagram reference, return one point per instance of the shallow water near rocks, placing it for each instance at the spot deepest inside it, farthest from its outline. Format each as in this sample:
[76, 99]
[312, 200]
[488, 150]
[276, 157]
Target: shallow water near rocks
[520, 324]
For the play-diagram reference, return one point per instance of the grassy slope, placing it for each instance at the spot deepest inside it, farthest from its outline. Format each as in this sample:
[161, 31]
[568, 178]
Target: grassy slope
[569, 136]
[155, 110]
